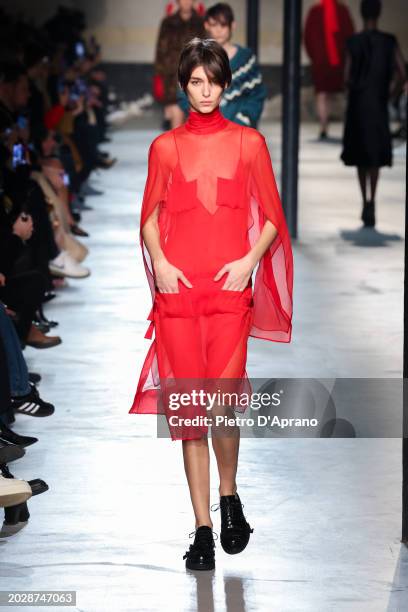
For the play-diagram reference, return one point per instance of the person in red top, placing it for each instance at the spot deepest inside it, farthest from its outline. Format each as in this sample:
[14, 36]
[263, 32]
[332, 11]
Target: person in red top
[210, 213]
[328, 25]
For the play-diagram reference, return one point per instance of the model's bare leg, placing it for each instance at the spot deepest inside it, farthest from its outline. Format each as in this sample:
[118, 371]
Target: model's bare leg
[374, 174]
[362, 178]
[225, 442]
[322, 109]
[197, 468]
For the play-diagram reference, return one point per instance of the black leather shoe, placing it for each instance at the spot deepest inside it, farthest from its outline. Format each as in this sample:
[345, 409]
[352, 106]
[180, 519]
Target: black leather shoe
[201, 554]
[49, 295]
[11, 436]
[10, 452]
[235, 530]
[34, 377]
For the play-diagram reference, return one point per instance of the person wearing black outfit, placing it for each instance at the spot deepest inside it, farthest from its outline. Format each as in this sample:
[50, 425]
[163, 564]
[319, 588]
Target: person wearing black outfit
[372, 57]
[21, 290]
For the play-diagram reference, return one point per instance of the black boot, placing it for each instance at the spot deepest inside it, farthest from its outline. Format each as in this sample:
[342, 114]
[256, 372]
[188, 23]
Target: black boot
[368, 214]
[201, 554]
[235, 530]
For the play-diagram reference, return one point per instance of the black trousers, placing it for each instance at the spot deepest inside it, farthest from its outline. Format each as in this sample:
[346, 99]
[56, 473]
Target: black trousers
[24, 293]
[86, 139]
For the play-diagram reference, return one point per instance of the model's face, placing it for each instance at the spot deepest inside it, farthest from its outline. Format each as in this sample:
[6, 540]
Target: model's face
[219, 31]
[203, 94]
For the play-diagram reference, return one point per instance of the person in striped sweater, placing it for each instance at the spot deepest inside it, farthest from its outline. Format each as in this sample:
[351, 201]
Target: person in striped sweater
[243, 101]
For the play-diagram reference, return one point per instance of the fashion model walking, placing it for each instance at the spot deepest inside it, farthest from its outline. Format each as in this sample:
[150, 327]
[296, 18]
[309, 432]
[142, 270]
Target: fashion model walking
[211, 212]
[373, 61]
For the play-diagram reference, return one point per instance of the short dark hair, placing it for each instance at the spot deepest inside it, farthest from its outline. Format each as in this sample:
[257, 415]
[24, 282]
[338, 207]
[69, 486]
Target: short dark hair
[209, 54]
[221, 12]
[370, 9]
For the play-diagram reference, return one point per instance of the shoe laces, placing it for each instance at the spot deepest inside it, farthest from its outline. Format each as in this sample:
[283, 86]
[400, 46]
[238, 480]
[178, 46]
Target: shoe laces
[234, 513]
[201, 543]
[190, 535]
[217, 506]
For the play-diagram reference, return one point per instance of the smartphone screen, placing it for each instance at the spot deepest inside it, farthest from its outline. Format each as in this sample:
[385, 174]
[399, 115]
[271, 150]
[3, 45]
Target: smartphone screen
[79, 49]
[18, 155]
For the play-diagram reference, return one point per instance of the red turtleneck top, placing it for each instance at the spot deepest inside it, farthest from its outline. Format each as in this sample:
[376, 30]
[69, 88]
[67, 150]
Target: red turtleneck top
[215, 187]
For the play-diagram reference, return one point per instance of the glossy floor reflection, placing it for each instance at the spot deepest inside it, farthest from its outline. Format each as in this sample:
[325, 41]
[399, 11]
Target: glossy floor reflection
[326, 513]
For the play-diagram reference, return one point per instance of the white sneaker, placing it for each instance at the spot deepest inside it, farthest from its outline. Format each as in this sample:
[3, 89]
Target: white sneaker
[65, 265]
[13, 491]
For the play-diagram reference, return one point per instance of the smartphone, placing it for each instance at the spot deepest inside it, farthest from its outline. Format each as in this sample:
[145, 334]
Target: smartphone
[66, 179]
[79, 49]
[18, 155]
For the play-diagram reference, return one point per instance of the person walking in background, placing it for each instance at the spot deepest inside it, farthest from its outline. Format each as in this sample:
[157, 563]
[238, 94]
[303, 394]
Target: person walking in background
[175, 30]
[243, 102]
[372, 57]
[328, 25]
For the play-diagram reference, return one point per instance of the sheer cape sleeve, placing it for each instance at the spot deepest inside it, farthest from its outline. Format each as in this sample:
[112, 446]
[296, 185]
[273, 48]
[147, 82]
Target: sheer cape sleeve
[147, 399]
[154, 194]
[273, 286]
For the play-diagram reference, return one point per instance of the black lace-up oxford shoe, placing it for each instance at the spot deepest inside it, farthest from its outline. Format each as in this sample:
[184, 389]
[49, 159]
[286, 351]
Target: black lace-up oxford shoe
[201, 554]
[235, 530]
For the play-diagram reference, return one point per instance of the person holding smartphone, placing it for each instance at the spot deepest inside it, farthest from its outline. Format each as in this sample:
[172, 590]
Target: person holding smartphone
[23, 292]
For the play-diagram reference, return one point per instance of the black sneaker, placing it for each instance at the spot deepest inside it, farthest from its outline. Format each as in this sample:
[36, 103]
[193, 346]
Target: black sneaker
[32, 404]
[201, 554]
[235, 530]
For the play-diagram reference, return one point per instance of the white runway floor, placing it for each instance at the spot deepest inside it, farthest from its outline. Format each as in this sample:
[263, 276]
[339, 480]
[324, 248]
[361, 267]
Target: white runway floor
[326, 513]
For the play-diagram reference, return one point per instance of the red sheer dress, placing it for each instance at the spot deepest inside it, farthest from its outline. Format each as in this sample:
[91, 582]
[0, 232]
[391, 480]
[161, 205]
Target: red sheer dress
[215, 187]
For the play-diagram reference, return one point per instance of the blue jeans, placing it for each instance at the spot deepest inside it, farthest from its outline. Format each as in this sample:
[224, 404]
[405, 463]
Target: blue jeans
[18, 373]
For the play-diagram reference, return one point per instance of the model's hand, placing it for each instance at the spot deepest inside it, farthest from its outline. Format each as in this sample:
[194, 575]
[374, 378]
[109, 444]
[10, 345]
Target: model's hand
[167, 276]
[239, 273]
[2, 280]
